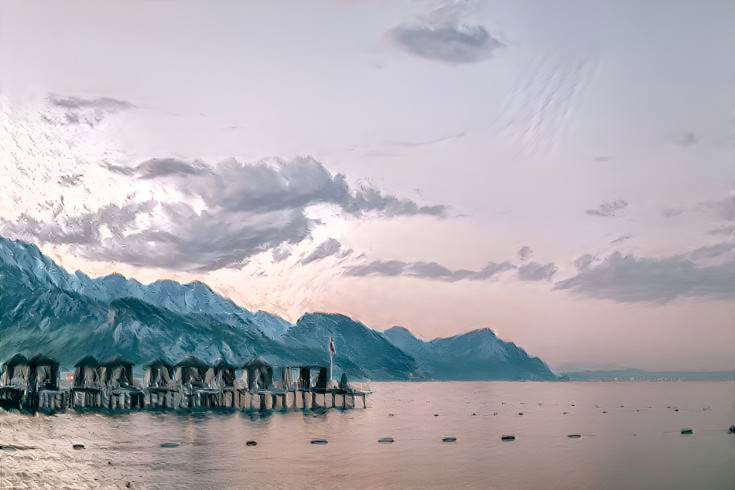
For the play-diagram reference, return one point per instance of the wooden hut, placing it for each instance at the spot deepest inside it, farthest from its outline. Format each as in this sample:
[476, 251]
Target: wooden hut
[313, 378]
[44, 373]
[14, 381]
[221, 375]
[116, 374]
[190, 372]
[160, 385]
[86, 389]
[259, 374]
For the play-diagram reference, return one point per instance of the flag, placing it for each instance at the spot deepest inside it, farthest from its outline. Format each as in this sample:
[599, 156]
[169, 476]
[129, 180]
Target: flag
[332, 351]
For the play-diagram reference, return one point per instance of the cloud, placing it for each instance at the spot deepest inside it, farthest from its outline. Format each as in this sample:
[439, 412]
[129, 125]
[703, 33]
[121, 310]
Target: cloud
[630, 279]
[711, 252]
[444, 35]
[607, 209]
[724, 230]
[218, 217]
[584, 261]
[620, 239]
[604, 158]
[533, 271]
[525, 252]
[426, 270]
[685, 140]
[70, 110]
[723, 209]
[671, 212]
[325, 249]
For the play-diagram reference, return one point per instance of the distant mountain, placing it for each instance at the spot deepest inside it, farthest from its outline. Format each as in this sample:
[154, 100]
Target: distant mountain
[641, 375]
[45, 309]
[476, 355]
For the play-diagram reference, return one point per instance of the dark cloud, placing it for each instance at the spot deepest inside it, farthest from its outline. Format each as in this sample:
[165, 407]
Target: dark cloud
[608, 208]
[426, 270]
[711, 252]
[525, 252]
[584, 261]
[723, 209]
[724, 230]
[671, 212]
[70, 110]
[686, 140]
[244, 210]
[106, 104]
[325, 249]
[620, 239]
[630, 279]
[453, 43]
[533, 271]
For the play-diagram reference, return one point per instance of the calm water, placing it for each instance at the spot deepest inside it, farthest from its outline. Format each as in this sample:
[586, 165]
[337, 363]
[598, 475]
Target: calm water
[636, 444]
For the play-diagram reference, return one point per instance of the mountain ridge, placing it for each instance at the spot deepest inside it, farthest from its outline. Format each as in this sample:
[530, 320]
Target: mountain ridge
[68, 315]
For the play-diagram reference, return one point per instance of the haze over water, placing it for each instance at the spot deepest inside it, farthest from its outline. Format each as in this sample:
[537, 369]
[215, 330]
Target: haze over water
[635, 444]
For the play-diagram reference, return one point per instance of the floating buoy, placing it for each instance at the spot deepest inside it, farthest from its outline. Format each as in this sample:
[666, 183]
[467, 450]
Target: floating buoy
[731, 430]
[170, 444]
[507, 438]
[385, 440]
[78, 446]
[320, 442]
[251, 443]
[574, 436]
[520, 413]
[687, 430]
[436, 415]
[449, 439]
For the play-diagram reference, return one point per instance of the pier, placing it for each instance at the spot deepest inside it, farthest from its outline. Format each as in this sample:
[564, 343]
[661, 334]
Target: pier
[33, 385]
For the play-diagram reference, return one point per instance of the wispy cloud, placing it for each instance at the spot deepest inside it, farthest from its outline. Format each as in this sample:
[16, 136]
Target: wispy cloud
[607, 209]
[426, 270]
[328, 248]
[658, 280]
[722, 208]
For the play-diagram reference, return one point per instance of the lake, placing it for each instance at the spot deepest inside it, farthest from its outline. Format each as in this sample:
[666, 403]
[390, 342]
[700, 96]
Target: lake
[630, 438]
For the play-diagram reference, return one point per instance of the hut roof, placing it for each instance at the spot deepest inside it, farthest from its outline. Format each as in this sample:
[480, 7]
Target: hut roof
[87, 361]
[41, 360]
[159, 363]
[192, 361]
[16, 360]
[222, 364]
[117, 360]
[257, 362]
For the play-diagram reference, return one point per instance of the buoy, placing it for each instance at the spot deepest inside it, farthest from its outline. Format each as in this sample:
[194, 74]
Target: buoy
[731, 430]
[319, 441]
[687, 430]
[78, 446]
[170, 444]
[520, 413]
[385, 440]
[449, 439]
[574, 436]
[507, 438]
[251, 443]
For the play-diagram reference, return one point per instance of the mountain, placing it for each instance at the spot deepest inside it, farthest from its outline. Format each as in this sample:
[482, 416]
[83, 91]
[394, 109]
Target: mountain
[476, 355]
[641, 375]
[43, 308]
[356, 345]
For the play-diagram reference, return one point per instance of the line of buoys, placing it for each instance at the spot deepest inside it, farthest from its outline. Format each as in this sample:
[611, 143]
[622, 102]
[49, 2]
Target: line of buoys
[320, 442]
[574, 436]
[507, 438]
[449, 439]
[385, 440]
[170, 444]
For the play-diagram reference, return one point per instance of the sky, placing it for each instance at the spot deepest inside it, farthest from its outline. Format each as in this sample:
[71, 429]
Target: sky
[560, 172]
